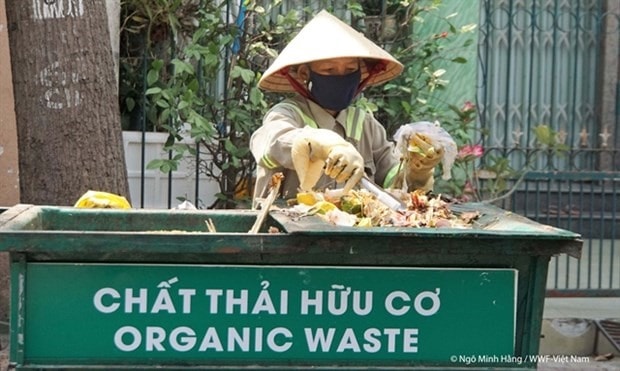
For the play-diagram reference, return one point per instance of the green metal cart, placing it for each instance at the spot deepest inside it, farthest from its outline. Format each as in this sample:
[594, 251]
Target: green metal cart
[143, 289]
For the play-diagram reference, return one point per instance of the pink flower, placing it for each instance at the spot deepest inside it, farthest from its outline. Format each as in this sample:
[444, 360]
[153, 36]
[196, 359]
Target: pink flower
[470, 151]
[469, 188]
[468, 107]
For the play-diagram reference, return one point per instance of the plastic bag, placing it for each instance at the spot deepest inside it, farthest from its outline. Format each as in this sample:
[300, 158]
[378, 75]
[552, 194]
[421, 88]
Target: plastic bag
[439, 138]
[102, 200]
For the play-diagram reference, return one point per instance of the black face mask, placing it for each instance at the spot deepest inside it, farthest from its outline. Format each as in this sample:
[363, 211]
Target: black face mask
[334, 92]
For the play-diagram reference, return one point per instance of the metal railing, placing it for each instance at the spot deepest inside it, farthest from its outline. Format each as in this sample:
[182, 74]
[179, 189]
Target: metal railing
[555, 62]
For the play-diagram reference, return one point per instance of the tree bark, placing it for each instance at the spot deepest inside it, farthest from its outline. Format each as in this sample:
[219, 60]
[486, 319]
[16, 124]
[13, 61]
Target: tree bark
[68, 118]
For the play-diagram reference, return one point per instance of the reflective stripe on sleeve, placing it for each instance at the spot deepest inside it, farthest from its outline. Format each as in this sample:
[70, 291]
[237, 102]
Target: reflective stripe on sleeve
[391, 175]
[268, 162]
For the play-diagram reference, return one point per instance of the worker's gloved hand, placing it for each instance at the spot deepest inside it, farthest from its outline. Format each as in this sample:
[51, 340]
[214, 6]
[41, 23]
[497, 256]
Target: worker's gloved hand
[315, 149]
[422, 146]
[420, 161]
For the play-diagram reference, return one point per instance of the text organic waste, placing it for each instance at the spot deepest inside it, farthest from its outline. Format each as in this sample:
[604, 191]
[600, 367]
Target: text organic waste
[337, 301]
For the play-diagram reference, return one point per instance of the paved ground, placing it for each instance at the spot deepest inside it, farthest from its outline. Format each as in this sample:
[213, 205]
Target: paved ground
[591, 364]
[588, 308]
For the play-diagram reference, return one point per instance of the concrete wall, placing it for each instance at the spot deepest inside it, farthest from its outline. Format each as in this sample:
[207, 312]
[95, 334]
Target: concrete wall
[9, 173]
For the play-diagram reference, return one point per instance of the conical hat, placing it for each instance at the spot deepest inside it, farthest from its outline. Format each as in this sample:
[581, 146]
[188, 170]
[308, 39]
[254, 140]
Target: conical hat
[325, 37]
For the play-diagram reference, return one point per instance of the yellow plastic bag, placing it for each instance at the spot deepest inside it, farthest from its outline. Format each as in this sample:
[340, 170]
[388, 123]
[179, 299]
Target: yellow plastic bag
[102, 200]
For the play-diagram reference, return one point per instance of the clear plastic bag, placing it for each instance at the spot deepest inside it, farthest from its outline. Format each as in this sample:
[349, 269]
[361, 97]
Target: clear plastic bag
[438, 137]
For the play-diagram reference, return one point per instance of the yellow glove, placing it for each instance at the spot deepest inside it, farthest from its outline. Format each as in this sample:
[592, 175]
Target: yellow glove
[420, 162]
[315, 149]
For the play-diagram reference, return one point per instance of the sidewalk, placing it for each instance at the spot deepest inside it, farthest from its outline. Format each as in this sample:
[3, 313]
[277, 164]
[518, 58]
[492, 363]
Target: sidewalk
[590, 308]
[581, 308]
[611, 365]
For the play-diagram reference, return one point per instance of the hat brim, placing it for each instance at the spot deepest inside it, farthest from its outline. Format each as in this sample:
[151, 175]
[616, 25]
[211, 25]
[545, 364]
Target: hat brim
[327, 37]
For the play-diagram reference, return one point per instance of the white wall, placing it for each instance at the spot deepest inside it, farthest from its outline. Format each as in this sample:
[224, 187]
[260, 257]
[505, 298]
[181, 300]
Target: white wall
[156, 182]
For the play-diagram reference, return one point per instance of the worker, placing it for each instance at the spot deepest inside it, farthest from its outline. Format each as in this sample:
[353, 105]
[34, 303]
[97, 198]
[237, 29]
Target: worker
[316, 138]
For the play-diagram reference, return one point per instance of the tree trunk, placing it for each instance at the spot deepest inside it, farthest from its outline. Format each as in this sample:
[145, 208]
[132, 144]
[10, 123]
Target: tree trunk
[68, 119]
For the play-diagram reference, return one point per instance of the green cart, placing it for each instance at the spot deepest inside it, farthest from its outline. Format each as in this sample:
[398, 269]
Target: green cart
[144, 289]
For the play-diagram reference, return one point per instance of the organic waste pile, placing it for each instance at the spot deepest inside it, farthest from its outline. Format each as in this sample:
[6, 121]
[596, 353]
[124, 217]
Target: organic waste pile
[362, 209]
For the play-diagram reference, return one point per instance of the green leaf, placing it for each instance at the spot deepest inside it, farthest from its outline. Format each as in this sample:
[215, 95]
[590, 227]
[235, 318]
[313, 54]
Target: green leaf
[193, 85]
[157, 64]
[181, 67]
[544, 134]
[247, 76]
[200, 124]
[170, 141]
[243, 151]
[182, 105]
[165, 166]
[230, 147]
[152, 91]
[236, 163]
[130, 103]
[162, 103]
[166, 94]
[165, 115]
[154, 164]
[152, 76]
[235, 72]
[211, 60]
[256, 96]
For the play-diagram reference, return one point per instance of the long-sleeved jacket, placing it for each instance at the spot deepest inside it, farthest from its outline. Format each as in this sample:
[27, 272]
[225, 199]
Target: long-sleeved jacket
[271, 143]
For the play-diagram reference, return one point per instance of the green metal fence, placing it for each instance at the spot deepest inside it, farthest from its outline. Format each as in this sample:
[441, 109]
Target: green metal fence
[555, 62]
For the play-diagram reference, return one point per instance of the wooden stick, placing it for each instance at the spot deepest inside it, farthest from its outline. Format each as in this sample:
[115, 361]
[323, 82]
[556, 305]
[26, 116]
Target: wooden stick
[210, 225]
[276, 181]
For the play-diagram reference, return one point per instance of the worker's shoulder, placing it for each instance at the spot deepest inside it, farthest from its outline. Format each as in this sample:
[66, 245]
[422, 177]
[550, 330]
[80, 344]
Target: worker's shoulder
[294, 107]
[295, 103]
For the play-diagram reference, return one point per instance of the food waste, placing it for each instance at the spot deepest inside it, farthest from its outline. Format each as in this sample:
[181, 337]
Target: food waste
[361, 208]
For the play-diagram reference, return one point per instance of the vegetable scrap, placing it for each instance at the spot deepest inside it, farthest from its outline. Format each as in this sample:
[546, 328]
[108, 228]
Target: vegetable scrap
[361, 208]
